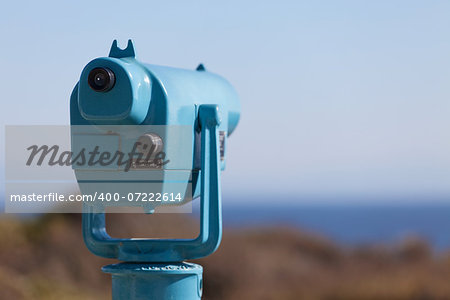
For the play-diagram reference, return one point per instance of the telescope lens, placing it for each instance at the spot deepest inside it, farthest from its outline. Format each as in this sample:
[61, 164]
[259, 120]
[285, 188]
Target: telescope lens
[101, 79]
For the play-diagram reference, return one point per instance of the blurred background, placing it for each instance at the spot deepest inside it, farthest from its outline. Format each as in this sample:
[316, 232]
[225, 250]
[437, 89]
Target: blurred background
[337, 179]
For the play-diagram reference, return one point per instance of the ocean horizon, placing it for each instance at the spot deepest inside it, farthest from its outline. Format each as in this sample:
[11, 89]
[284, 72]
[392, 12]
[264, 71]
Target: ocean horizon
[352, 224]
[347, 224]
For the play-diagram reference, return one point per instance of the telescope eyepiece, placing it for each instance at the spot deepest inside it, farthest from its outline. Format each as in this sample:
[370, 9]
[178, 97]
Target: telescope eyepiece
[101, 79]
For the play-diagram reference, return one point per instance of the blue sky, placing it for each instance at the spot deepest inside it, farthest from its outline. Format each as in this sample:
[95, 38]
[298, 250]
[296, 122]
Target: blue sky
[353, 95]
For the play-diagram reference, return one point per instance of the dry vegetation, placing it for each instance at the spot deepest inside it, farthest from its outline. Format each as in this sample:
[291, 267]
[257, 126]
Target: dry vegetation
[45, 258]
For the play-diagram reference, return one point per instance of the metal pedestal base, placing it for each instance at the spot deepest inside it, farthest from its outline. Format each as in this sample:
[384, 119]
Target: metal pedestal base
[158, 281]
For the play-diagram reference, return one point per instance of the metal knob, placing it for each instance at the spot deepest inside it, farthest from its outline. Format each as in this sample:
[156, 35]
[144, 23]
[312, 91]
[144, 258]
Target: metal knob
[149, 144]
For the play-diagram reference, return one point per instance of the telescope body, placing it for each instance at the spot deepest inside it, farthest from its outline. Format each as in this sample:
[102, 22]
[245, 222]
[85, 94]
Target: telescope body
[147, 97]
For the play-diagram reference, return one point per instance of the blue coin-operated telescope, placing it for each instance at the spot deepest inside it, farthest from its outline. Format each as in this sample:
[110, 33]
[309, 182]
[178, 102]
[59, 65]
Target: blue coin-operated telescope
[142, 110]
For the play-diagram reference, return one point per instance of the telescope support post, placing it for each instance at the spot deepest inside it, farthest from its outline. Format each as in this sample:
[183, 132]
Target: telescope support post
[161, 281]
